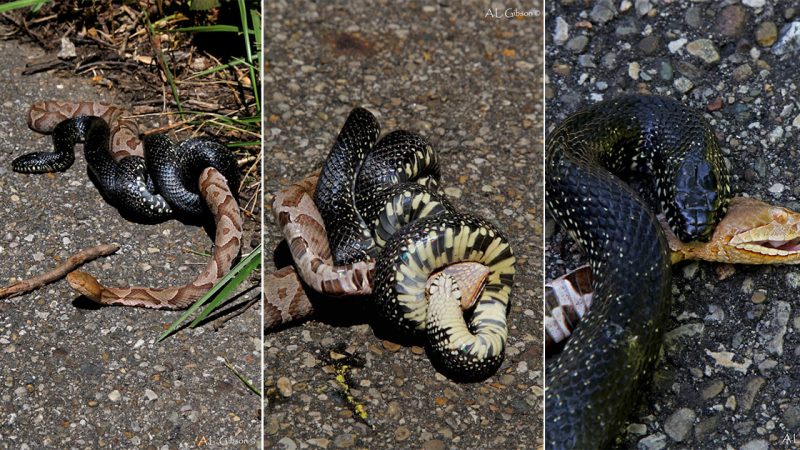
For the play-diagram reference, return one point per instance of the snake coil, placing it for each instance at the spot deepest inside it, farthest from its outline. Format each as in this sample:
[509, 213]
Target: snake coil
[593, 384]
[153, 181]
[379, 225]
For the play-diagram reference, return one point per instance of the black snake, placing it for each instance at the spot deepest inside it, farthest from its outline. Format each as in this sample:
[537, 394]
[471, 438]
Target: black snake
[594, 383]
[158, 186]
[379, 203]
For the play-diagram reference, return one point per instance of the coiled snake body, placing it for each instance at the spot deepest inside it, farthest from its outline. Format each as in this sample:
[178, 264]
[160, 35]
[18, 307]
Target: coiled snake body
[150, 181]
[390, 233]
[593, 384]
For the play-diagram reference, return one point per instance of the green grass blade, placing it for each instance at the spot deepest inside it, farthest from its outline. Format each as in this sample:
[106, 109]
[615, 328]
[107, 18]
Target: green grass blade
[221, 287]
[241, 378]
[208, 29]
[244, 269]
[17, 4]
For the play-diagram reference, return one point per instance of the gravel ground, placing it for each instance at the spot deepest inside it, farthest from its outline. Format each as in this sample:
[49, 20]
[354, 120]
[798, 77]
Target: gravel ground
[78, 376]
[472, 86]
[723, 58]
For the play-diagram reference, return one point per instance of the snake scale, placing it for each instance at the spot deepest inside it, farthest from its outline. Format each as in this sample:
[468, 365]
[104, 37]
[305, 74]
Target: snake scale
[373, 222]
[150, 180]
[593, 384]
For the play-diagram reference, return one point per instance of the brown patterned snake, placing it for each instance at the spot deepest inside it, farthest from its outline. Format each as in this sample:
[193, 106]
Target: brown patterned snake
[123, 142]
[304, 231]
[752, 232]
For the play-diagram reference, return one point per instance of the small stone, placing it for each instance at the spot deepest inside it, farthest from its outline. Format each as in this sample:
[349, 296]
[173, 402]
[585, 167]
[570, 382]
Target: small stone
[433, 444]
[674, 46]
[731, 21]
[67, 50]
[754, 3]
[665, 71]
[758, 297]
[320, 442]
[401, 433]
[679, 424]
[578, 44]
[284, 386]
[741, 73]
[683, 85]
[637, 428]
[643, 7]
[649, 44]
[391, 346]
[776, 189]
[751, 390]
[287, 443]
[713, 389]
[114, 395]
[703, 49]
[789, 40]
[345, 440]
[791, 416]
[755, 444]
[766, 34]
[653, 442]
[633, 70]
[561, 33]
[603, 11]
[150, 395]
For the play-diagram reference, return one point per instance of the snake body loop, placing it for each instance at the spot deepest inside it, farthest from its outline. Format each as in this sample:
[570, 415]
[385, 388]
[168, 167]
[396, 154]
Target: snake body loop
[380, 205]
[199, 176]
[594, 383]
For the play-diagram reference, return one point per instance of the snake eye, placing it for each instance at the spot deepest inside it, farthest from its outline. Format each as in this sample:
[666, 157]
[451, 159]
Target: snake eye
[696, 199]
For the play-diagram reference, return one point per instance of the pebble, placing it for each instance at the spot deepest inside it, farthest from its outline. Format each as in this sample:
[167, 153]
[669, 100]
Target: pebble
[791, 416]
[683, 85]
[284, 386]
[756, 444]
[679, 424]
[752, 388]
[603, 11]
[789, 40]
[731, 21]
[637, 428]
[703, 49]
[345, 440]
[287, 443]
[653, 442]
[433, 444]
[114, 395]
[578, 44]
[713, 389]
[674, 46]
[561, 33]
[634, 70]
[741, 73]
[320, 442]
[754, 3]
[150, 395]
[776, 189]
[766, 34]
[650, 44]
[643, 7]
[401, 433]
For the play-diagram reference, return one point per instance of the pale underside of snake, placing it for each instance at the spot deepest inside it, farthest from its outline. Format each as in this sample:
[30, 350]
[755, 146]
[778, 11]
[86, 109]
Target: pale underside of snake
[124, 141]
[285, 299]
[752, 232]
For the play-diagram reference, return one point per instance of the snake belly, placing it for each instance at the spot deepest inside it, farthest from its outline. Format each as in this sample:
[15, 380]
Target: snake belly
[594, 383]
[379, 199]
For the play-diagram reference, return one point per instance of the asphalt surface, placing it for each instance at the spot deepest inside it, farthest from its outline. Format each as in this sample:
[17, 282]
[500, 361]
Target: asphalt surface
[471, 84]
[718, 57]
[78, 376]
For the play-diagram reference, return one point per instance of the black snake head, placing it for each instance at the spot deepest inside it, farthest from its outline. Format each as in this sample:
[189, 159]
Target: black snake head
[697, 201]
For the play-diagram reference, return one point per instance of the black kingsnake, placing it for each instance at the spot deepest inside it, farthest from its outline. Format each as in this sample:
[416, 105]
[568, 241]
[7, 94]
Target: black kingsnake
[381, 200]
[593, 384]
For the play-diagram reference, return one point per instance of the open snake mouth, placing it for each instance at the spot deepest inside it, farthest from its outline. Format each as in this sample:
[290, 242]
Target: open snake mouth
[764, 240]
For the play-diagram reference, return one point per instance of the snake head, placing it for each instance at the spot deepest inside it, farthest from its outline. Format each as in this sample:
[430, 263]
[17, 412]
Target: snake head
[698, 203]
[761, 228]
[752, 232]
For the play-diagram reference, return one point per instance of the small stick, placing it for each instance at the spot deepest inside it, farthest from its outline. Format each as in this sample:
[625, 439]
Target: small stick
[70, 264]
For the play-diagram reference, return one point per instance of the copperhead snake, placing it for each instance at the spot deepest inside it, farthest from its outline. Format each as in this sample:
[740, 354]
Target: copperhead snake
[421, 261]
[108, 127]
